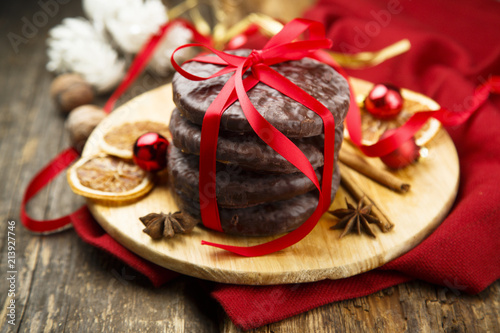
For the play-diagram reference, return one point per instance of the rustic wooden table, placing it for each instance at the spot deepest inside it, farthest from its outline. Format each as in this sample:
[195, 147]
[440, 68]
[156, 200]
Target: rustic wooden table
[64, 284]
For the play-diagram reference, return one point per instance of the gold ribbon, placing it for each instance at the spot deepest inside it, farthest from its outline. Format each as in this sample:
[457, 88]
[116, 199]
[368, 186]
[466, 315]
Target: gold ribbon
[268, 26]
[367, 59]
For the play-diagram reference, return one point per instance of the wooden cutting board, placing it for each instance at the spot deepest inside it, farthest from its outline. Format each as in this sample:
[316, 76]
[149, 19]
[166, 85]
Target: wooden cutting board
[321, 255]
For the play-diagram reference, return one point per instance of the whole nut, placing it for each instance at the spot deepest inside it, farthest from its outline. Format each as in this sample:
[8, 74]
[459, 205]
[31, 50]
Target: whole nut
[70, 90]
[81, 122]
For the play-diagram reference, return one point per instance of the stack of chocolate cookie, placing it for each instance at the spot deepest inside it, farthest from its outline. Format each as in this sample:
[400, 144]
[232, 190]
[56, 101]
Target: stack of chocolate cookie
[258, 192]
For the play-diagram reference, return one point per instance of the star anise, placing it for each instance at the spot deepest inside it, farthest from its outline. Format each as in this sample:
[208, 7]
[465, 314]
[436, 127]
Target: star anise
[160, 225]
[355, 218]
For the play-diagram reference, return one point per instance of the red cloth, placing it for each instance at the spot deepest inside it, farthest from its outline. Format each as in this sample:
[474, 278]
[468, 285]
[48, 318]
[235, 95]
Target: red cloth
[455, 45]
[92, 233]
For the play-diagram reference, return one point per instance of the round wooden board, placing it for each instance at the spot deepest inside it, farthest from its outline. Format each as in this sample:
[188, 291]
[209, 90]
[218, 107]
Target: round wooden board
[321, 255]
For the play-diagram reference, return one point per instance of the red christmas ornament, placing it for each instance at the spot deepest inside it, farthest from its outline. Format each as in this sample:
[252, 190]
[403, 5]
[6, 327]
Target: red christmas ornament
[384, 101]
[404, 155]
[150, 152]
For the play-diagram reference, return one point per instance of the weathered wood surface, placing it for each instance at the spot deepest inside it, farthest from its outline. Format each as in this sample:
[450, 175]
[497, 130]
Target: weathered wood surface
[65, 285]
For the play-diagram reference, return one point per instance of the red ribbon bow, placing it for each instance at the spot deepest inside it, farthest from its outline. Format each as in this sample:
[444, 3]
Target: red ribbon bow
[284, 46]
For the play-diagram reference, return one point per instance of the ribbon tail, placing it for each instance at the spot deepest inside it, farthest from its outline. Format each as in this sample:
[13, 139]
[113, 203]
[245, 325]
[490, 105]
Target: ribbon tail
[44, 177]
[277, 81]
[278, 244]
[417, 120]
[208, 150]
[414, 123]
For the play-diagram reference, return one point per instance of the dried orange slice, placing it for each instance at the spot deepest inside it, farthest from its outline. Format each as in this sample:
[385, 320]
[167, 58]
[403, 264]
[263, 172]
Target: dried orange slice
[372, 128]
[119, 141]
[109, 178]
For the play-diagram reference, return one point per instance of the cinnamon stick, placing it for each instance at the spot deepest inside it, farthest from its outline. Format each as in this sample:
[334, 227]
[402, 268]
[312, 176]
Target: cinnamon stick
[382, 177]
[354, 190]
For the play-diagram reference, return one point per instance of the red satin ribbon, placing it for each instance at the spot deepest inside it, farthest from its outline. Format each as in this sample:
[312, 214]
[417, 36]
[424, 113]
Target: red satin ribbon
[66, 157]
[284, 46]
[415, 122]
[44, 177]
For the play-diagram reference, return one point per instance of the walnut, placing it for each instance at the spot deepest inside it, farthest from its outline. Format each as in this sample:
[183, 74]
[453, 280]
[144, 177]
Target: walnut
[81, 122]
[69, 91]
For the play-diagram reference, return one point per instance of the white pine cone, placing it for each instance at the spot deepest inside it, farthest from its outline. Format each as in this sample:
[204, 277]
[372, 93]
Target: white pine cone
[177, 35]
[98, 10]
[75, 46]
[133, 23]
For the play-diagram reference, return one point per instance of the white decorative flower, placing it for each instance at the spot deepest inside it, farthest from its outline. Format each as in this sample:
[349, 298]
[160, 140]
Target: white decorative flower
[132, 23]
[175, 37]
[99, 10]
[75, 46]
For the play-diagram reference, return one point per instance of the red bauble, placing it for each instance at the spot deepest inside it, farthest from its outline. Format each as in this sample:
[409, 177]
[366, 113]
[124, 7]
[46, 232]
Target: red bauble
[384, 101]
[150, 152]
[407, 153]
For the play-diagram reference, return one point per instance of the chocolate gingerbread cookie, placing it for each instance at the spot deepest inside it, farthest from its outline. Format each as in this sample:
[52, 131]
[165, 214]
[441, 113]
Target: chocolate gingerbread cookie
[288, 116]
[265, 219]
[247, 150]
[236, 187]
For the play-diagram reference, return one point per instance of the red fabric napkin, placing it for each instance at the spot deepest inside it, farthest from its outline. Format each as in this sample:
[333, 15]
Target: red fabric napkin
[92, 233]
[455, 46]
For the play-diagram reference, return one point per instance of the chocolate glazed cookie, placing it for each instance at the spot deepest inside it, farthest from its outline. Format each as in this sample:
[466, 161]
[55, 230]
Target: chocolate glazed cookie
[266, 219]
[245, 150]
[290, 117]
[236, 188]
